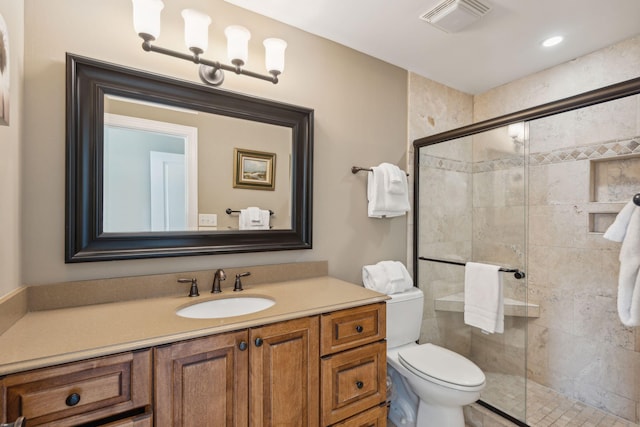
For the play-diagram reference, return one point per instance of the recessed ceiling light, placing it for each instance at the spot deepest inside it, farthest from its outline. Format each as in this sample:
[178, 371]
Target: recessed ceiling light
[552, 41]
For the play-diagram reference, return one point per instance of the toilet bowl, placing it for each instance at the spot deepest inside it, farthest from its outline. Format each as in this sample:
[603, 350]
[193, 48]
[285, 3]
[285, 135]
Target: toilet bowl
[442, 380]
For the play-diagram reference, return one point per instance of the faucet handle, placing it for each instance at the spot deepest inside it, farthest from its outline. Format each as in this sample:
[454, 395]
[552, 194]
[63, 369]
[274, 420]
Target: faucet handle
[193, 292]
[238, 284]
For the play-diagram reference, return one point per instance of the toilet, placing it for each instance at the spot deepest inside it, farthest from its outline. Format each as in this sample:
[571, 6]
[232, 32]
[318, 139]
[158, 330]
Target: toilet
[429, 384]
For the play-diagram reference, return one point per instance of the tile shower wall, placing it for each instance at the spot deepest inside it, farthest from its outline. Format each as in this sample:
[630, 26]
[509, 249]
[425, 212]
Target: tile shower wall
[583, 165]
[610, 65]
[499, 226]
[444, 232]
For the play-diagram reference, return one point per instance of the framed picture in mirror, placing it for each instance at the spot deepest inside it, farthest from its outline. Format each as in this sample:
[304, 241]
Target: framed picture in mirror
[254, 169]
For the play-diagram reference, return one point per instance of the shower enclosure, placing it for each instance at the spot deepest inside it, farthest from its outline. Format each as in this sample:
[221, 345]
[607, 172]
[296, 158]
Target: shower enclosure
[533, 192]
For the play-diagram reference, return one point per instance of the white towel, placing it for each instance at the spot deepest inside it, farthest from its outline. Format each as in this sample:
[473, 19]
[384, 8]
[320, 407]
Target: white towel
[394, 179]
[618, 229]
[387, 277]
[384, 203]
[483, 297]
[254, 215]
[626, 227]
[245, 221]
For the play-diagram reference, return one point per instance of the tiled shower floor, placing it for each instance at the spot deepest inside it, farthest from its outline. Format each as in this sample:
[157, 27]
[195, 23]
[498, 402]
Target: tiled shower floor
[545, 407]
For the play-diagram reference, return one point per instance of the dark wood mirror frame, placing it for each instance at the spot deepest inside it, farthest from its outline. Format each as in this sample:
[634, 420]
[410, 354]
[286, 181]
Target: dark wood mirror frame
[88, 81]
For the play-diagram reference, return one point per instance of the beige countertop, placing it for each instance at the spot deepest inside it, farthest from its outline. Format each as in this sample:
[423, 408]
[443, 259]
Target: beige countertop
[50, 337]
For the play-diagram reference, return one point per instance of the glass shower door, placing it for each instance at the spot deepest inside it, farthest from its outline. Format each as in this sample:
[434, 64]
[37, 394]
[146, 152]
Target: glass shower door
[472, 194]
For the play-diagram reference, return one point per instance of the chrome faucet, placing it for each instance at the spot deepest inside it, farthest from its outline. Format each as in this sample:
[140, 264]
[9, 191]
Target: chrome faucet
[217, 277]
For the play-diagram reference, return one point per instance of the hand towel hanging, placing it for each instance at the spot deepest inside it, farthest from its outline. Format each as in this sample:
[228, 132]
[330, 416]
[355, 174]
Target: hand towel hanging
[254, 219]
[626, 228]
[387, 197]
[483, 297]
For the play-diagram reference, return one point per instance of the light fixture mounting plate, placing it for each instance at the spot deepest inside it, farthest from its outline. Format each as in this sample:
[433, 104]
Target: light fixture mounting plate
[210, 75]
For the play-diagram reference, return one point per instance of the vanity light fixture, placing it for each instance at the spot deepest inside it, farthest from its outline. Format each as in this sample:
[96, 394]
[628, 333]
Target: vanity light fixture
[146, 22]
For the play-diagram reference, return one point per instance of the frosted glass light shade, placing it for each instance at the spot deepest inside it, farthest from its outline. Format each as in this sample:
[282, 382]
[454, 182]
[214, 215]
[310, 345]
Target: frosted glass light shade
[274, 54]
[237, 43]
[146, 17]
[196, 29]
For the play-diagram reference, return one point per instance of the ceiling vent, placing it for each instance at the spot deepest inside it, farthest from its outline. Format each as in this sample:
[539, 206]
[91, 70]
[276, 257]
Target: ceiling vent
[453, 15]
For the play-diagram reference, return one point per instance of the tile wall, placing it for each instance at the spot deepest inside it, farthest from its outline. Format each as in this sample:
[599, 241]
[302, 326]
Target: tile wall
[583, 165]
[479, 202]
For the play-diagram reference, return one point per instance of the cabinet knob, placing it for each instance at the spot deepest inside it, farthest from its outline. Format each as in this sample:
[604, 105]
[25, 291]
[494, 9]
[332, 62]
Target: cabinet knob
[258, 342]
[73, 399]
[359, 329]
[359, 384]
[243, 345]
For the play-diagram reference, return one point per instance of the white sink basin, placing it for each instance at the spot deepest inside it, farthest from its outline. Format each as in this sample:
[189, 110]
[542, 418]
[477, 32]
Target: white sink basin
[225, 307]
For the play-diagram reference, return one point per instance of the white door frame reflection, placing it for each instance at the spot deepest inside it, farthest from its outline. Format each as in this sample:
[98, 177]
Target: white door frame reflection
[140, 195]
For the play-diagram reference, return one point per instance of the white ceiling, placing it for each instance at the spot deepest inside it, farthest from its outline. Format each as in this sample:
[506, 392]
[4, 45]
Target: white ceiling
[502, 46]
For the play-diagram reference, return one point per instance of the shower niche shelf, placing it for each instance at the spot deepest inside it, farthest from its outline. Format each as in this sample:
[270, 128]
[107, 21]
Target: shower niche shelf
[512, 307]
[613, 182]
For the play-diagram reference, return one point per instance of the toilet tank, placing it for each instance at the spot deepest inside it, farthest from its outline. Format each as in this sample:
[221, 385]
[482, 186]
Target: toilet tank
[404, 317]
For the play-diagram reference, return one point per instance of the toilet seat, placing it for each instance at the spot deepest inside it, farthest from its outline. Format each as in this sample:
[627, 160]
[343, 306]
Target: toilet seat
[442, 366]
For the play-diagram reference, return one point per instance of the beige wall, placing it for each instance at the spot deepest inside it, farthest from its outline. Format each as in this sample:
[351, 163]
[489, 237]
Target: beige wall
[360, 108]
[10, 153]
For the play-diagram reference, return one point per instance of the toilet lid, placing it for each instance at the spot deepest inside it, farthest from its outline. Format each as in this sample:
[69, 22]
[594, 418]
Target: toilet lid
[442, 365]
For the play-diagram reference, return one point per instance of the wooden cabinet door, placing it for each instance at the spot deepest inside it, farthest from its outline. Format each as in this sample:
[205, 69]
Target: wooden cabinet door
[202, 382]
[284, 374]
[353, 381]
[80, 392]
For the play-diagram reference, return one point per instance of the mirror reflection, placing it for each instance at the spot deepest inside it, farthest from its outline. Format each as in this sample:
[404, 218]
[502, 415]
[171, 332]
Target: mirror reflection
[175, 169]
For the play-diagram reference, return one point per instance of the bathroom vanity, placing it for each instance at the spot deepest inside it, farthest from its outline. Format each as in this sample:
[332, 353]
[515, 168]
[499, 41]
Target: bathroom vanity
[316, 357]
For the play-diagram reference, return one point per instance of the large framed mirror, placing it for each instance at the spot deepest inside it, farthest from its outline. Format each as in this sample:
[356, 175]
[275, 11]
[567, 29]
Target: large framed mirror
[160, 167]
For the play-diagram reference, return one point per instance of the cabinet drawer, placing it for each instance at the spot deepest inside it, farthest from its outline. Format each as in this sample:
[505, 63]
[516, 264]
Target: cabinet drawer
[345, 329]
[140, 421]
[353, 381]
[374, 417]
[80, 392]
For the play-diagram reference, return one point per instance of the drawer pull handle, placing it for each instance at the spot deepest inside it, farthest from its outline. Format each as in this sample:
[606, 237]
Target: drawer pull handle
[359, 384]
[73, 399]
[243, 345]
[359, 329]
[258, 342]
